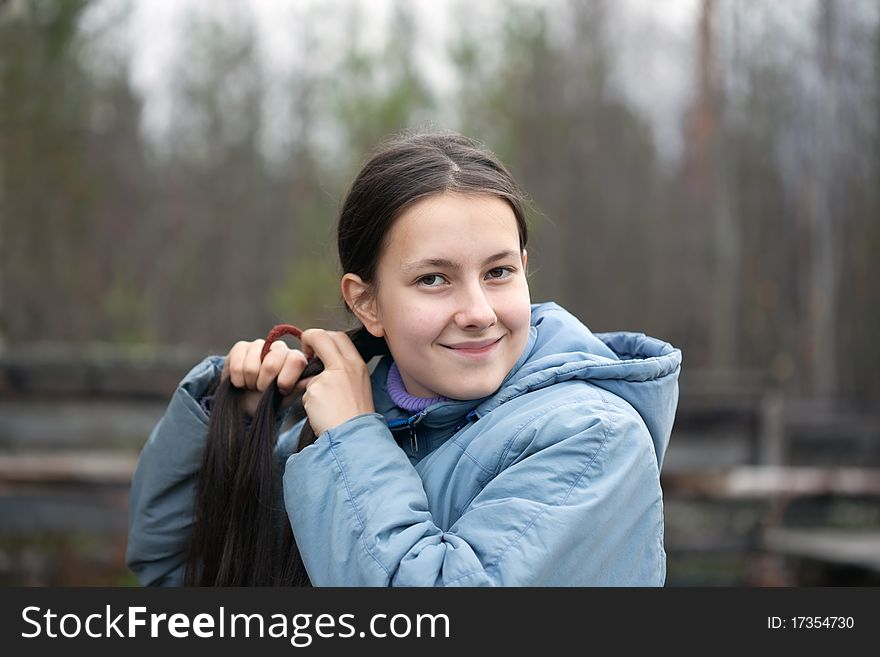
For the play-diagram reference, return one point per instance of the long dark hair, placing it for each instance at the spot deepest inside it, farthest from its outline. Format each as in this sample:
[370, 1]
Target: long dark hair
[241, 535]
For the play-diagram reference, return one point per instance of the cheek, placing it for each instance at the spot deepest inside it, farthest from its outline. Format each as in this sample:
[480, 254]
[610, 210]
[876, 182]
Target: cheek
[406, 329]
[419, 325]
[515, 311]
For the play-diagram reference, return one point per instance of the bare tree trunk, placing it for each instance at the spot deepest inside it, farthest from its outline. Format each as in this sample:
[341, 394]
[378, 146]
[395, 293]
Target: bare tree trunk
[702, 126]
[823, 279]
[4, 258]
[726, 247]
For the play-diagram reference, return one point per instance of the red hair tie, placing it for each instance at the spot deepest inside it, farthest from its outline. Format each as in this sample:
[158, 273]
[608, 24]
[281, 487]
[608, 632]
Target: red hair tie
[276, 332]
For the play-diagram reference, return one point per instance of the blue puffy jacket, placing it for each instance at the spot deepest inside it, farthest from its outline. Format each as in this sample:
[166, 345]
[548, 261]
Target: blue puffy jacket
[554, 480]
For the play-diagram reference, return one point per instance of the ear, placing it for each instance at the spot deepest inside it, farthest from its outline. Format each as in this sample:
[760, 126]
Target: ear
[360, 298]
[525, 258]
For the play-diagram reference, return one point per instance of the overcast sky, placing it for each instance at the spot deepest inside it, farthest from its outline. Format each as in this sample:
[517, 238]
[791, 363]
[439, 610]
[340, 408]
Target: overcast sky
[652, 41]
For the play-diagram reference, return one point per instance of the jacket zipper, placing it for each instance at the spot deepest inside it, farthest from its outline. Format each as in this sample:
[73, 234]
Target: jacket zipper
[413, 440]
[409, 423]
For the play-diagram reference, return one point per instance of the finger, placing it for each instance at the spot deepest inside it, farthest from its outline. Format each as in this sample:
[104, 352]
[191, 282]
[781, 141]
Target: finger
[306, 347]
[235, 363]
[270, 367]
[304, 384]
[346, 346]
[294, 364]
[252, 363]
[322, 344]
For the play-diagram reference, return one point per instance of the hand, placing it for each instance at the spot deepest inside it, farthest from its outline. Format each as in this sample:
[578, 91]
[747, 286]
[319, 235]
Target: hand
[342, 391]
[244, 368]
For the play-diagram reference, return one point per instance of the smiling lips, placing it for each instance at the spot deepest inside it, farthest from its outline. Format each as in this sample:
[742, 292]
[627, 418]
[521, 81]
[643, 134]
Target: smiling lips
[476, 348]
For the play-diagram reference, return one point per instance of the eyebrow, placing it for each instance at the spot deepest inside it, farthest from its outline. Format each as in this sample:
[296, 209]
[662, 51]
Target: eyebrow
[449, 264]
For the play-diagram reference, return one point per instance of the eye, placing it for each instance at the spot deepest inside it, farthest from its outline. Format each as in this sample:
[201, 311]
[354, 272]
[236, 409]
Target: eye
[500, 272]
[431, 280]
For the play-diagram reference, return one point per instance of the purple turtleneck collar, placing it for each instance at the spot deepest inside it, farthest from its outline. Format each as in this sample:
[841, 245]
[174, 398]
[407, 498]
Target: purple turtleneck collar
[402, 398]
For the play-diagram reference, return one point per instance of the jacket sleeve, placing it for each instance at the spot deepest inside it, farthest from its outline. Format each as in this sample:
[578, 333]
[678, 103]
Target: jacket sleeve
[163, 485]
[574, 499]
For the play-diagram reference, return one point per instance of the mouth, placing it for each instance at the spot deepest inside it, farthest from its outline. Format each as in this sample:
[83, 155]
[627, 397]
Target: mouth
[474, 349]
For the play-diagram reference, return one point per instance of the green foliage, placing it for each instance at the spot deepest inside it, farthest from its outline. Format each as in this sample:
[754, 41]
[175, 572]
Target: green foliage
[310, 286]
[47, 190]
[125, 311]
[373, 100]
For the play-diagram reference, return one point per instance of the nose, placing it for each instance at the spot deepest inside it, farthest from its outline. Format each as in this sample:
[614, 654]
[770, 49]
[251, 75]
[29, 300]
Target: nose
[474, 313]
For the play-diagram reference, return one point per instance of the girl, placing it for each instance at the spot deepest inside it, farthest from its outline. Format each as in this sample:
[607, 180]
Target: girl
[497, 442]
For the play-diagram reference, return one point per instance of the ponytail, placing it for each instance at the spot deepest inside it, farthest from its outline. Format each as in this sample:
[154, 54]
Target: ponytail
[242, 536]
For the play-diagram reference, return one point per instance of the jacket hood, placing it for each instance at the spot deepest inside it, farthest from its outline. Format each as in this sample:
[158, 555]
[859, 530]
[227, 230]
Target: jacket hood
[641, 370]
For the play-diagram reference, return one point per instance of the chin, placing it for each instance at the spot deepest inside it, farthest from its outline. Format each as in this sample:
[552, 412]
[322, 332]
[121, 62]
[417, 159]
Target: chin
[472, 392]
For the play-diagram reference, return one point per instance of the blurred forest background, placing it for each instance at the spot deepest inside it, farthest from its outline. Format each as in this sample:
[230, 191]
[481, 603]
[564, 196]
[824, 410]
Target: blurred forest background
[705, 171]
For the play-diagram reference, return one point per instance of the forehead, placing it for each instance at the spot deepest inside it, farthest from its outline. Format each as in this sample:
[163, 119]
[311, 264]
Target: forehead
[454, 226]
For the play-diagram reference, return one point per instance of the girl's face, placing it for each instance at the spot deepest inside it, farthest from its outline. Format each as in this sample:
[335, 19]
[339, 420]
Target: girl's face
[451, 299]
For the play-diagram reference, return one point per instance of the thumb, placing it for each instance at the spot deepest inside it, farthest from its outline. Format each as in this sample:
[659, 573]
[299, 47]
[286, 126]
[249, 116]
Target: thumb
[303, 384]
